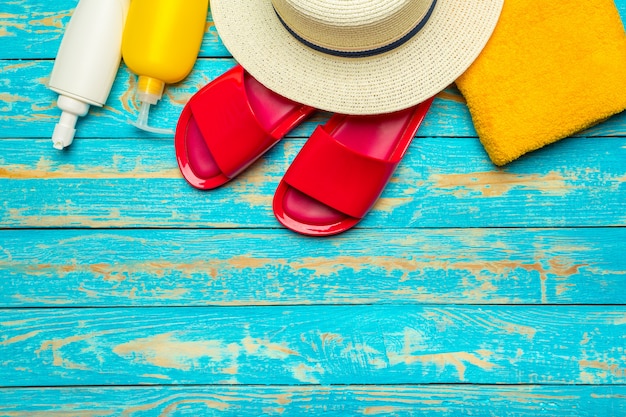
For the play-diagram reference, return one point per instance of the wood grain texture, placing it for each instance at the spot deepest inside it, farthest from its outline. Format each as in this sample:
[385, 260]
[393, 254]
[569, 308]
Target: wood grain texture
[274, 267]
[28, 107]
[33, 29]
[357, 400]
[324, 345]
[469, 290]
[440, 183]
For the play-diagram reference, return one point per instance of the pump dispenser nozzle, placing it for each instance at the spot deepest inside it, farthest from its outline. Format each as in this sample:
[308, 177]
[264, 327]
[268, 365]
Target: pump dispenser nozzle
[149, 92]
[160, 44]
[87, 62]
[64, 131]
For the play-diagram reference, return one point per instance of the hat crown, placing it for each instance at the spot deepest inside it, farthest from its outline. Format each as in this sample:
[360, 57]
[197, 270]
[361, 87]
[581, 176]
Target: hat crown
[352, 26]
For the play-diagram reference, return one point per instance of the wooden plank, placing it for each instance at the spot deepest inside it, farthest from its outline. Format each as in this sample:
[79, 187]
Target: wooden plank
[440, 183]
[29, 107]
[272, 267]
[33, 30]
[313, 345]
[423, 401]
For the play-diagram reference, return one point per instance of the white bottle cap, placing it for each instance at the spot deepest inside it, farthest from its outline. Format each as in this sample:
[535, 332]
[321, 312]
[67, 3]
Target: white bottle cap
[64, 131]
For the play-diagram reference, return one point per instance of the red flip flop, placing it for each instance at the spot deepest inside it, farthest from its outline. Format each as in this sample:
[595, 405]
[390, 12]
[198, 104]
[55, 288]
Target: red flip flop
[229, 124]
[342, 169]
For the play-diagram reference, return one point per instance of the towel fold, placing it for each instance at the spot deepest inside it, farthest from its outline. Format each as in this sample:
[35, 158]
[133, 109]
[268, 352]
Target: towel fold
[551, 69]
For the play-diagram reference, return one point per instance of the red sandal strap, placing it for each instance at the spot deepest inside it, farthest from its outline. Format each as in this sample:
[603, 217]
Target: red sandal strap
[337, 176]
[230, 129]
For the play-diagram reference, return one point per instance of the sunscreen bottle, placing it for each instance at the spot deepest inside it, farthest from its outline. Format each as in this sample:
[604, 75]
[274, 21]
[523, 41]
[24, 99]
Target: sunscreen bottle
[161, 42]
[87, 62]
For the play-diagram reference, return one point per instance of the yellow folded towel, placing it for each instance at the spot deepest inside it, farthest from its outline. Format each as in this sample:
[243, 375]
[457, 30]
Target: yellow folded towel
[551, 69]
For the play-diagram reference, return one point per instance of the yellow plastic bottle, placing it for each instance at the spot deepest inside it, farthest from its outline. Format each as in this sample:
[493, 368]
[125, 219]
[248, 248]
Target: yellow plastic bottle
[160, 44]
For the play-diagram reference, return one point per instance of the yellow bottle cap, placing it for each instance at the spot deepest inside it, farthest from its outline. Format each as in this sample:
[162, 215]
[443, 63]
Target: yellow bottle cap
[149, 92]
[149, 89]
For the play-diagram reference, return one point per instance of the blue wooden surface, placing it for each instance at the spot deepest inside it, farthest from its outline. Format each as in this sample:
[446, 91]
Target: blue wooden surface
[468, 290]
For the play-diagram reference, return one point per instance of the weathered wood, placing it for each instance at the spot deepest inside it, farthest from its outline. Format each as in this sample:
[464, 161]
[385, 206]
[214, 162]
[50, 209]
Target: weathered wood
[463, 278]
[29, 107]
[313, 345]
[33, 29]
[422, 401]
[273, 267]
[440, 183]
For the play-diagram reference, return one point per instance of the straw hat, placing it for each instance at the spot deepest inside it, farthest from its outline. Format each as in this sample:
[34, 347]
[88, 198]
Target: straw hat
[356, 56]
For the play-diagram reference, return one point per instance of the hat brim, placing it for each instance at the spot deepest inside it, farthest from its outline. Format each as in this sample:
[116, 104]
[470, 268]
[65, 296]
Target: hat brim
[443, 49]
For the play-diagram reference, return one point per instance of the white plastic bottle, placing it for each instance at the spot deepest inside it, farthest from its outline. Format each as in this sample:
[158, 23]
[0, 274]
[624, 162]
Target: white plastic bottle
[87, 62]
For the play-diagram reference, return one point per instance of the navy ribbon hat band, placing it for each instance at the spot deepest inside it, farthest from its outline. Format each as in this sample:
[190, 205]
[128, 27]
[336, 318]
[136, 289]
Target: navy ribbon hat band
[366, 53]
